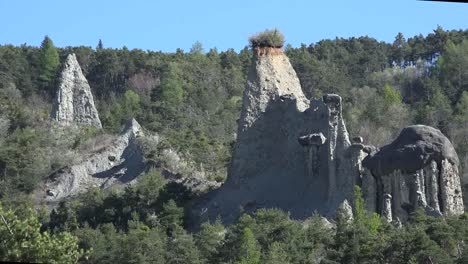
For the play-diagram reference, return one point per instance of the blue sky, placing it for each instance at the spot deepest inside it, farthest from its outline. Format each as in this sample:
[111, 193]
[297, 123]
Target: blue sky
[171, 24]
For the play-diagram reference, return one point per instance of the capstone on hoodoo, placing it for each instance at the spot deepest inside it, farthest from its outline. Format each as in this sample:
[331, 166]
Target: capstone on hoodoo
[295, 154]
[74, 103]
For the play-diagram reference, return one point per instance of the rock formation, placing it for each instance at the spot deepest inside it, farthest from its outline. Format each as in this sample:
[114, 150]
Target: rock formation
[345, 212]
[290, 153]
[419, 169]
[295, 154]
[119, 162]
[74, 103]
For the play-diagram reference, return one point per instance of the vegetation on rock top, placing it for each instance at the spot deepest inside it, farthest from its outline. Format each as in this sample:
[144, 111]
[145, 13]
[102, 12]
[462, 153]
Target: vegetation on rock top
[269, 38]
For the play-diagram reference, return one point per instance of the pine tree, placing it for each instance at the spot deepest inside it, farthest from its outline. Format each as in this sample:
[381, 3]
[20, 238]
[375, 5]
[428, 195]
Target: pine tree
[99, 45]
[48, 62]
[249, 252]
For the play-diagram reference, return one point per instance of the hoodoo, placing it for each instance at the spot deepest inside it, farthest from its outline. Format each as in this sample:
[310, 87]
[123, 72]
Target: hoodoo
[74, 103]
[290, 153]
[419, 169]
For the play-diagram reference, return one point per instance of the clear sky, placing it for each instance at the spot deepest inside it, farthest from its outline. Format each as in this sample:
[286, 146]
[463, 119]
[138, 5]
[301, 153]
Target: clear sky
[171, 24]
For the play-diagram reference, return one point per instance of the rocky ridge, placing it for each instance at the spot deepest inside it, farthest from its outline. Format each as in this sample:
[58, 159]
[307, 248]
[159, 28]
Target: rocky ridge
[119, 162]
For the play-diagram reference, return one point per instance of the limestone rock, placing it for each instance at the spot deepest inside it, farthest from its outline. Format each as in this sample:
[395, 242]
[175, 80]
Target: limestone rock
[419, 169]
[74, 103]
[119, 162]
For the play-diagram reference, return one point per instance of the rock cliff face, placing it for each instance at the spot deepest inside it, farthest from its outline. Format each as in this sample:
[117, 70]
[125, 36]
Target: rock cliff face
[419, 169]
[74, 103]
[290, 153]
[119, 162]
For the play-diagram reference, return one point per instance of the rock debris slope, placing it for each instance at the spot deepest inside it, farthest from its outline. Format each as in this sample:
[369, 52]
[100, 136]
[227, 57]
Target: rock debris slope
[119, 162]
[74, 103]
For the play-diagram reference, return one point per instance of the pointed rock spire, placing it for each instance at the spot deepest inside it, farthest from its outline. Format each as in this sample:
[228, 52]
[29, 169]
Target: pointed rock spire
[270, 77]
[74, 103]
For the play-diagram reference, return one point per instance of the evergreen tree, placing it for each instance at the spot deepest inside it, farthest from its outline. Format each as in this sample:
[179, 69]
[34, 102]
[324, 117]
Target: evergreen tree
[49, 63]
[249, 251]
[22, 241]
[99, 46]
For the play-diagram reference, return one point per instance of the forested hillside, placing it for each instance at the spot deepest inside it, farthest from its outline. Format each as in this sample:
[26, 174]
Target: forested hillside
[192, 101]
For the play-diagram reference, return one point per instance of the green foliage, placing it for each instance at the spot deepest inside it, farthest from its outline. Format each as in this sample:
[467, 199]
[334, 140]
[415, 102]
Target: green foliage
[391, 95]
[48, 61]
[249, 252]
[182, 249]
[171, 216]
[23, 241]
[209, 240]
[277, 254]
[172, 92]
[122, 109]
[268, 38]
[452, 66]
[370, 220]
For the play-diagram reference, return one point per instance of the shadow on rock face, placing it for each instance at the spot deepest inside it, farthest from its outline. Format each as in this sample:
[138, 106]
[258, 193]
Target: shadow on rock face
[271, 168]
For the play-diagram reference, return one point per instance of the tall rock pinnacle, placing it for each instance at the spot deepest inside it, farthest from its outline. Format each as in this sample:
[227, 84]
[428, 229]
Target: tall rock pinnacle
[270, 77]
[291, 153]
[74, 103]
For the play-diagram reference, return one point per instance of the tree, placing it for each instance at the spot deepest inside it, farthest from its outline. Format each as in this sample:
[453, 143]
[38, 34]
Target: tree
[23, 241]
[277, 254]
[369, 220]
[400, 49]
[453, 65]
[249, 251]
[48, 62]
[181, 248]
[209, 239]
[171, 216]
[172, 93]
[130, 104]
[99, 46]
[391, 95]
[197, 48]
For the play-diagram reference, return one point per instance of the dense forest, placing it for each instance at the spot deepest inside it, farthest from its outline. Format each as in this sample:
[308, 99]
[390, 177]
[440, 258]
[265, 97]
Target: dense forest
[191, 100]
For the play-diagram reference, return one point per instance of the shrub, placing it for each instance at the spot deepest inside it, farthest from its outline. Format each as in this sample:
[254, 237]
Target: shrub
[268, 38]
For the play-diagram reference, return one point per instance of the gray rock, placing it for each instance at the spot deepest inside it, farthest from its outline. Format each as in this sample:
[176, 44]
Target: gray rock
[74, 103]
[97, 170]
[317, 139]
[358, 140]
[419, 169]
[291, 153]
[345, 212]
